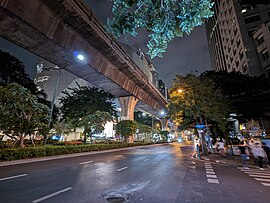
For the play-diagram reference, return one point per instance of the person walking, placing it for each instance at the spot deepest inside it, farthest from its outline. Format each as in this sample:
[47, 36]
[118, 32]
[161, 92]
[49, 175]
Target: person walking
[244, 154]
[267, 151]
[259, 153]
[221, 147]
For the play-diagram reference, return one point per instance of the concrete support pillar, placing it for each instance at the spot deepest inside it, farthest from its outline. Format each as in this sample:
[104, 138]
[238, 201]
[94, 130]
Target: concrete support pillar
[164, 123]
[128, 105]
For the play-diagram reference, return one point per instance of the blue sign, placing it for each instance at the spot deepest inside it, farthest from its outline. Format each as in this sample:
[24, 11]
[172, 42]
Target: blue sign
[200, 126]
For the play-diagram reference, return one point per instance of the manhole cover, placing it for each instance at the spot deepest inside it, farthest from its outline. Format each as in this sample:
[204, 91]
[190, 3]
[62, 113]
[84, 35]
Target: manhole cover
[116, 199]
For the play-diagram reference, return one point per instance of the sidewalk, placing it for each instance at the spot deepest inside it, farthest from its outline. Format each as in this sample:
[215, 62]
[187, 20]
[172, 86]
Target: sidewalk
[228, 160]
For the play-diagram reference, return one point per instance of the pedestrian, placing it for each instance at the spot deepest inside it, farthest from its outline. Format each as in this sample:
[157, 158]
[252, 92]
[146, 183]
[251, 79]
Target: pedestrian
[244, 154]
[250, 147]
[221, 147]
[259, 154]
[267, 151]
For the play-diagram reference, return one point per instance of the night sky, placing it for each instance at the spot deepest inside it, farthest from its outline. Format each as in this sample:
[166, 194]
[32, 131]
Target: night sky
[183, 55]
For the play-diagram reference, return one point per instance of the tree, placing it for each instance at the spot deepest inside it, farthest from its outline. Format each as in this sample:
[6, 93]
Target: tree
[163, 19]
[164, 135]
[82, 101]
[21, 114]
[145, 130]
[12, 70]
[248, 95]
[126, 129]
[92, 123]
[195, 101]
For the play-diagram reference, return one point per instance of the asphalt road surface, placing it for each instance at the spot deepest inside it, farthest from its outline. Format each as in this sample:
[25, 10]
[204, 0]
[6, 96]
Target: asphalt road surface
[158, 173]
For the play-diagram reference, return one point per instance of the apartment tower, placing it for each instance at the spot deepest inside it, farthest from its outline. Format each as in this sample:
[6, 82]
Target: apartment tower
[230, 34]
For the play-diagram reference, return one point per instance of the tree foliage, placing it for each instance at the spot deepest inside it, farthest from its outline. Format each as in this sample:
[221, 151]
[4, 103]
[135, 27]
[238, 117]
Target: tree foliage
[92, 123]
[198, 102]
[83, 101]
[248, 96]
[126, 128]
[20, 112]
[12, 70]
[163, 19]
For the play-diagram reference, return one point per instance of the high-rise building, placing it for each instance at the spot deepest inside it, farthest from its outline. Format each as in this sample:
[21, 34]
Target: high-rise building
[262, 44]
[230, 34]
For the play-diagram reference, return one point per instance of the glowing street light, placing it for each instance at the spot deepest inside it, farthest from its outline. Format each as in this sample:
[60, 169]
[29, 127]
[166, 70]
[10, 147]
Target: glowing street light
[80, 57]
[179, 90]
[162, 113]
[40, 68]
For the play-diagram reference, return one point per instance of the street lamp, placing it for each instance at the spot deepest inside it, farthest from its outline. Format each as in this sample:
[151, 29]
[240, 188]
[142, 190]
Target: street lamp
[40, 68]
[179, 90]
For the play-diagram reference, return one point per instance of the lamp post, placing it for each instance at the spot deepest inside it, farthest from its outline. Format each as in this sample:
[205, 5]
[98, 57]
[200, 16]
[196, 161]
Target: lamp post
[40, 68]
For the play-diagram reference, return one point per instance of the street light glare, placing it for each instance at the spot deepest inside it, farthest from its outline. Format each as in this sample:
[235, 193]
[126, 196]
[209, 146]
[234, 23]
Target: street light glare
[162, 112]
[180, 90]
[80, 57]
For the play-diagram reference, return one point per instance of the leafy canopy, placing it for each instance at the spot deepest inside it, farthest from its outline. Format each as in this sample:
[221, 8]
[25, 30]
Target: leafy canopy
[82, 101]
[13, 70]
[92, 123]
[163, 19]
[197, 102]
[20, 112]
[250, 100]
[126, 128]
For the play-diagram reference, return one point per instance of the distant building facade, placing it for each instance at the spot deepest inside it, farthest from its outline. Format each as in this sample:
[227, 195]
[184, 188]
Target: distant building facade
[262, 44]
[230, 34]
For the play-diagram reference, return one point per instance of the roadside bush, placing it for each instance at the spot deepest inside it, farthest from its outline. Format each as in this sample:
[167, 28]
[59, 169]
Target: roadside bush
[10, 154]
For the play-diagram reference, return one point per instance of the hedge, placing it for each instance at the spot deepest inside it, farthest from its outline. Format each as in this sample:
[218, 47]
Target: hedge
[10, 154]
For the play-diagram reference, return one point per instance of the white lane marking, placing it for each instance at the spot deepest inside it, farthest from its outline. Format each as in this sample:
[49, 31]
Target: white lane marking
[193, 162]
[193, 167]
[253, 170]
[266, 184]
[211, 176]
[212, 180]
[12, 177]
[121, 169]
[146, 160]
[118, 155]
[258, 172]
[86, 162]
[210, 172]
[51, 195]
[262, 179]
[259, 176]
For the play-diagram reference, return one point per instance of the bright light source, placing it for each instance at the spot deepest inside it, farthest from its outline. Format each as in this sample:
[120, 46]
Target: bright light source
[143, 114]
[179, 90]
[162, 113]
[80, 57]
[40, 67]
[244, 10]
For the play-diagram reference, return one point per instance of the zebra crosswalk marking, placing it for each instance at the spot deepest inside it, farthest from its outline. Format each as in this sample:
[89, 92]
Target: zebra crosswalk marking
[210, 174]
[259, 175]
[262, 179]
[266, 184]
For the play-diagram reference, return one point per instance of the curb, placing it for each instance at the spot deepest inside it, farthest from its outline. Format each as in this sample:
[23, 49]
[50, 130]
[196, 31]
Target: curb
[210, 160]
